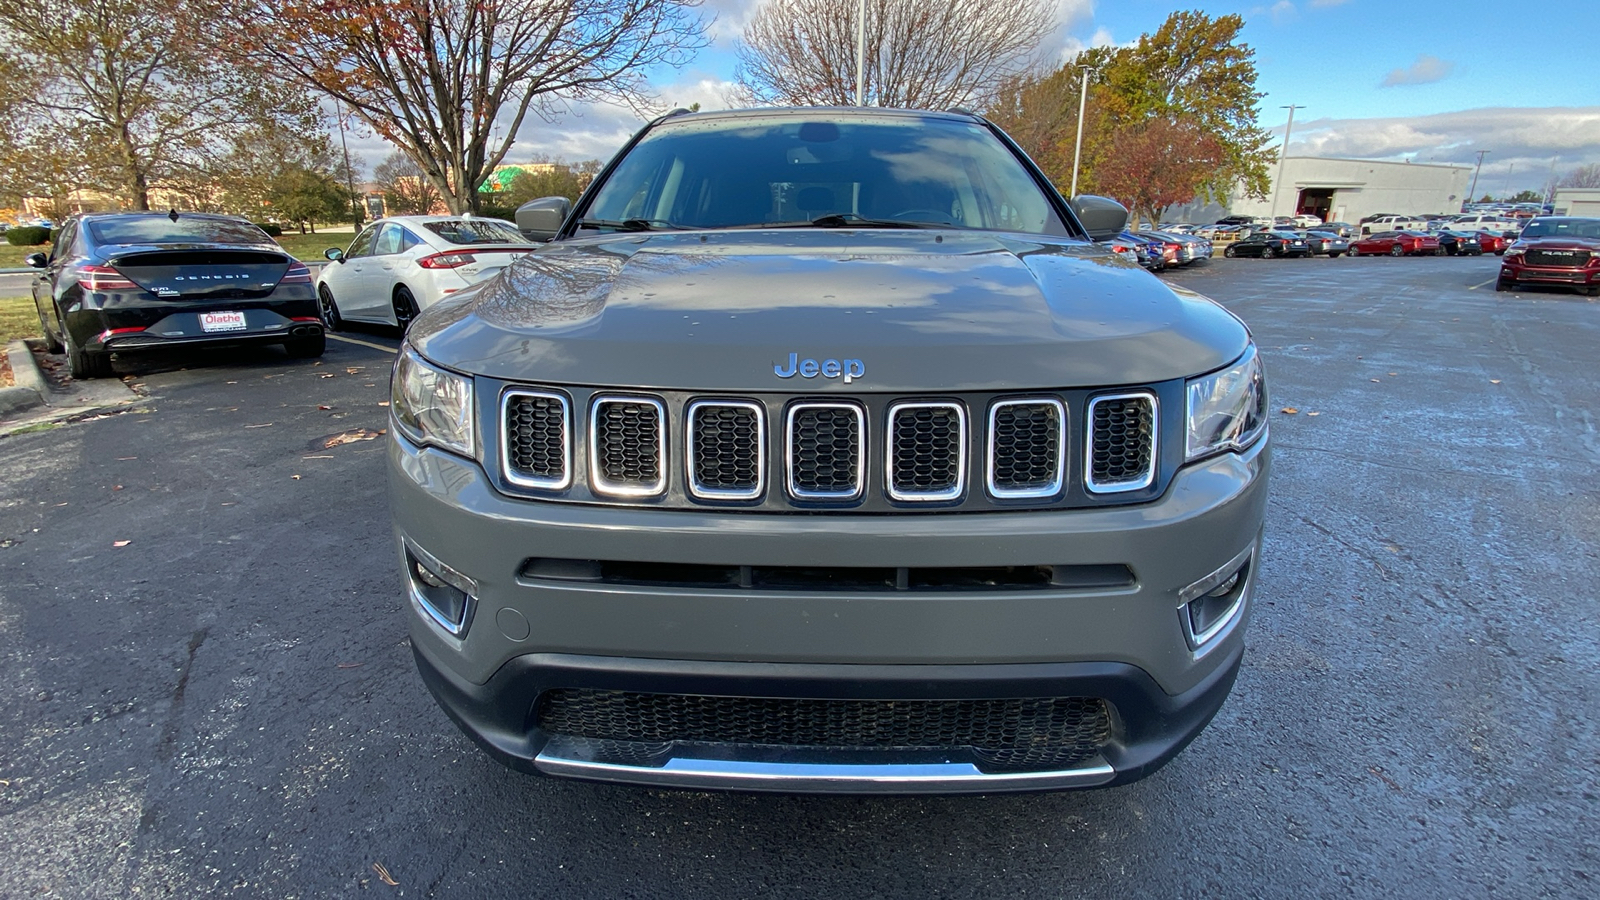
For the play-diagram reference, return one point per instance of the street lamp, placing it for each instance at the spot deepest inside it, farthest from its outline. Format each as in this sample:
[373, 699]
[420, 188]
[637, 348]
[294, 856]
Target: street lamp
[1474, 192]
[1077, 146]
[1277, 183]
[349, 176]
[861, 51]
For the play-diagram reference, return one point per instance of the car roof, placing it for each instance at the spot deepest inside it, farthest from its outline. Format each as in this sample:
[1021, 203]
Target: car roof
[817, 112]
[422, 220]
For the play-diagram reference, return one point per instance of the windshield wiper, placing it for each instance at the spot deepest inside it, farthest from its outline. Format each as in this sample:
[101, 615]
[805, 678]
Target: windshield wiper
[630, 224]
[849, 220]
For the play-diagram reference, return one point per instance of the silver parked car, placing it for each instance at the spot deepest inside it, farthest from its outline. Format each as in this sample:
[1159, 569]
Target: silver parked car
[827, 450]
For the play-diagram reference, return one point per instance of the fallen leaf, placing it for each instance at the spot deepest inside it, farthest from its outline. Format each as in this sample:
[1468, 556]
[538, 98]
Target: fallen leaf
[348, 666]
[231, 503]
[383, 875]
[383, 403]
[317, 363]
[126, 458]
[1376, 381]
[325, 375]
[1290, 410]
[350, 437]
[351, 370]
[233, 382]
[295, 477]
[1313, 414]
[262, 425]
[120, 543]
[1494, 381]
[61, 504]
[1392, 374]
[116, 487]
[324, 456]
[319, 406]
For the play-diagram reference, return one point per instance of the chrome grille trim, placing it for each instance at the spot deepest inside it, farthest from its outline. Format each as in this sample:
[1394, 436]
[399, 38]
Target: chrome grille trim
[1149, 475]
[1056, 483]
[795, 490]
[597, 479]
[890, 447]
[509, 471]
[711, 493]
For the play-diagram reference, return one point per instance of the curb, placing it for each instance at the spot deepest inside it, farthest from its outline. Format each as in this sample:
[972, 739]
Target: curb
[30, 389]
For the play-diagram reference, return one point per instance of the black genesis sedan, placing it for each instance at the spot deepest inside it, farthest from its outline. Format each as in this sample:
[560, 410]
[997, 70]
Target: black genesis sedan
[125, 282]
[1267, 244]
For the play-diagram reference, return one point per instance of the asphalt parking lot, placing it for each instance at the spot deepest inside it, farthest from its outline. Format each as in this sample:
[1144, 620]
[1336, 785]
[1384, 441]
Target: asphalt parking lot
[225, 704]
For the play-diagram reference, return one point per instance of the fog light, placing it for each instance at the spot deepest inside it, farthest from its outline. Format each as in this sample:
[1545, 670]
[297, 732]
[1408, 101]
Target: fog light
[1209, 606]
[443, 593]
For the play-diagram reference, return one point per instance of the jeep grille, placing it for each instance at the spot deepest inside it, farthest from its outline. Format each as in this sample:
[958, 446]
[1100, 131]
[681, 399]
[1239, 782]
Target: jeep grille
[825, 451]
[927, 457]
[537, 450]
[1027, 447]
[1122, 442]
[628, 446]
[726, 447]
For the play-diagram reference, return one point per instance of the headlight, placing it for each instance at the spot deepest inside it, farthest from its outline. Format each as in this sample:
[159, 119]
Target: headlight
[1228, 409]
[1514, 251]
[430, 405]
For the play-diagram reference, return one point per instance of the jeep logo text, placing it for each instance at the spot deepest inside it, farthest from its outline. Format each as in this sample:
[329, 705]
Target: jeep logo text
[851, 369]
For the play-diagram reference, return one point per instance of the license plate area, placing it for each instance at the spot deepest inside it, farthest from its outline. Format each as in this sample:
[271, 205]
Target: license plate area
[221, 321]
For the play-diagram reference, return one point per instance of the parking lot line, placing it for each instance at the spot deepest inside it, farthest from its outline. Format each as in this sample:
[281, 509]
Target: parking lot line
[1476, 286]
[335, 337]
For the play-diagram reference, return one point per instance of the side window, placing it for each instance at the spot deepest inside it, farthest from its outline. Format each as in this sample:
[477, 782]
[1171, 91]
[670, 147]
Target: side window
[63, 241]
[408, 240]
[388, 240]
[362, 245]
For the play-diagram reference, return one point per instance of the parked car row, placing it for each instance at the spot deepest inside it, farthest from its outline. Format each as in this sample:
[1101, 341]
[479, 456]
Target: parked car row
[1157, 250]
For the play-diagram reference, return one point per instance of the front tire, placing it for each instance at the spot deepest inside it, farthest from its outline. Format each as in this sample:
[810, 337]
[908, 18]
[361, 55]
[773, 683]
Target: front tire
[405, 308]
[306, 348]
[1504, 285]
[1355, 251]
[1397, 250]
[330, 309]
[1229, 252]
[1268, 253]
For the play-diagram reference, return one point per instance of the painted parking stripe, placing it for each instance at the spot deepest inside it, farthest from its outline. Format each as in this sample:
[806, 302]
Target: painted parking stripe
[1476, 286]
[335, 337]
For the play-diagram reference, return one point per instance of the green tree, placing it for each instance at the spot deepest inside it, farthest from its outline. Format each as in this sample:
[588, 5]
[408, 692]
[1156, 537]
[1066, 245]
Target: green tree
[303, 196]
[1527, 197]
[558, 180]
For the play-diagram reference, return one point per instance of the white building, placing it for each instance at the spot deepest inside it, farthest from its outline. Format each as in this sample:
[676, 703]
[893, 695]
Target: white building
[1577, 202]
[1345, 190]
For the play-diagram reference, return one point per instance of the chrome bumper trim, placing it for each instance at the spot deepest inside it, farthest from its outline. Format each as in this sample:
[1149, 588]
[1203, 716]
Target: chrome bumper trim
[929, 778]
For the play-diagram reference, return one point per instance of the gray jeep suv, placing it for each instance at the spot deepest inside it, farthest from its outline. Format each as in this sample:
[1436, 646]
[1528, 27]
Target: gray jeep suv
[825, 450]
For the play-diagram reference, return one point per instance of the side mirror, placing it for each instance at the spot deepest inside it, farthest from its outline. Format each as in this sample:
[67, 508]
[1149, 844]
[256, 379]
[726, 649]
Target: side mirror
[540, 219]
[333, 254]
[1102, 217]
[36, 260]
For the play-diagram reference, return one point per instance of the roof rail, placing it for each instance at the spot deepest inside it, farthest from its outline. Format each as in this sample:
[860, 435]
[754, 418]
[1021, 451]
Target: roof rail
[680, 111]
[962, 111]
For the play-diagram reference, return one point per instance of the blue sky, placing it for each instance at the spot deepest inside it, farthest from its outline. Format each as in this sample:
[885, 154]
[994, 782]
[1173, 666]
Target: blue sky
[1431, 81]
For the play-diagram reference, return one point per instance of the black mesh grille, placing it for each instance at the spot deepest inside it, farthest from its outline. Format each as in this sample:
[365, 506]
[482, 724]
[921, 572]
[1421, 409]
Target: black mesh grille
[1027, 446]
[825, 450]
[1122, 447]
[1563, 258]
[927, 450]
[727, 448]
[1019, 734]
[627, 443]
[536, 428]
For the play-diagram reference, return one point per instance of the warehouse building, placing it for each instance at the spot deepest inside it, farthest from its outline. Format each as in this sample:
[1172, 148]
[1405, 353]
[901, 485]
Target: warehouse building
[1345, 190]
[1577, 202]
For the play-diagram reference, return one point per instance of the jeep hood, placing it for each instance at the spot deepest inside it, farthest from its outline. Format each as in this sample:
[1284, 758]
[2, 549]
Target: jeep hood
[923, 311]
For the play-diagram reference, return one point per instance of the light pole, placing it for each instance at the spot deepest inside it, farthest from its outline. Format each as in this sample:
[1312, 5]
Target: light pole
[1471, 194]
[1077, 145]
[1277, 183]
[349, 176]
[861, 51]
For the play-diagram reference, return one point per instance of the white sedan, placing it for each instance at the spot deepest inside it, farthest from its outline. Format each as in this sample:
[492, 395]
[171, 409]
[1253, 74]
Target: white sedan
[398, 267]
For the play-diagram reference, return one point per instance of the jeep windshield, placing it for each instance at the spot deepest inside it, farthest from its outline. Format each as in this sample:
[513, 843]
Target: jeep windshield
[850, 171]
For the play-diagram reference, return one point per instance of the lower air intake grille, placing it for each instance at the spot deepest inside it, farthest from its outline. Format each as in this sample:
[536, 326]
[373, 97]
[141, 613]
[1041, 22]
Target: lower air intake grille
[927, 451]
[536, 446]
[726, 443]
[825, 451]
[1026, 439]
[1122, 442]
[627, 446]
[1020, 735]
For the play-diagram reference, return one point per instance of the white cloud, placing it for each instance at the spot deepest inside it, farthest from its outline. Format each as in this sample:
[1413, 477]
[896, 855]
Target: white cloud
[1426, 70]
[1323, 4]
[1523, 143]
[730, 18]
[1282, 11]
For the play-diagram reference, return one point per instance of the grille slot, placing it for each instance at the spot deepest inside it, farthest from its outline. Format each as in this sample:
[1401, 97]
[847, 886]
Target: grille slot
[1122, 443]
[627, 446]
[726, 446]
[536, 447]
[1027, 447]
[1029, 734]
[824, 451]
[927, 452]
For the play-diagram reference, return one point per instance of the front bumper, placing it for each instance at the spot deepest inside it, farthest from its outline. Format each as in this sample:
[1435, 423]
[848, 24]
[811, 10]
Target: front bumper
[1126, 645]
[1513, 270]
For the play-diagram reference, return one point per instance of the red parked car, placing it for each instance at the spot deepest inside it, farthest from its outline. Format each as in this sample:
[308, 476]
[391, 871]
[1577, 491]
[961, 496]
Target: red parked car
[1555, 251]
[1396, 243]
[1490, 242]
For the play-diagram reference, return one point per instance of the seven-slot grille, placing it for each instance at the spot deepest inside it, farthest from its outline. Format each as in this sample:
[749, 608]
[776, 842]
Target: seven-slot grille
[537, 445]
[1122, 442]
[1027, 447]
[924, 447]
[927, 451]
[727, 449]
[628, 446]
[824, 451]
